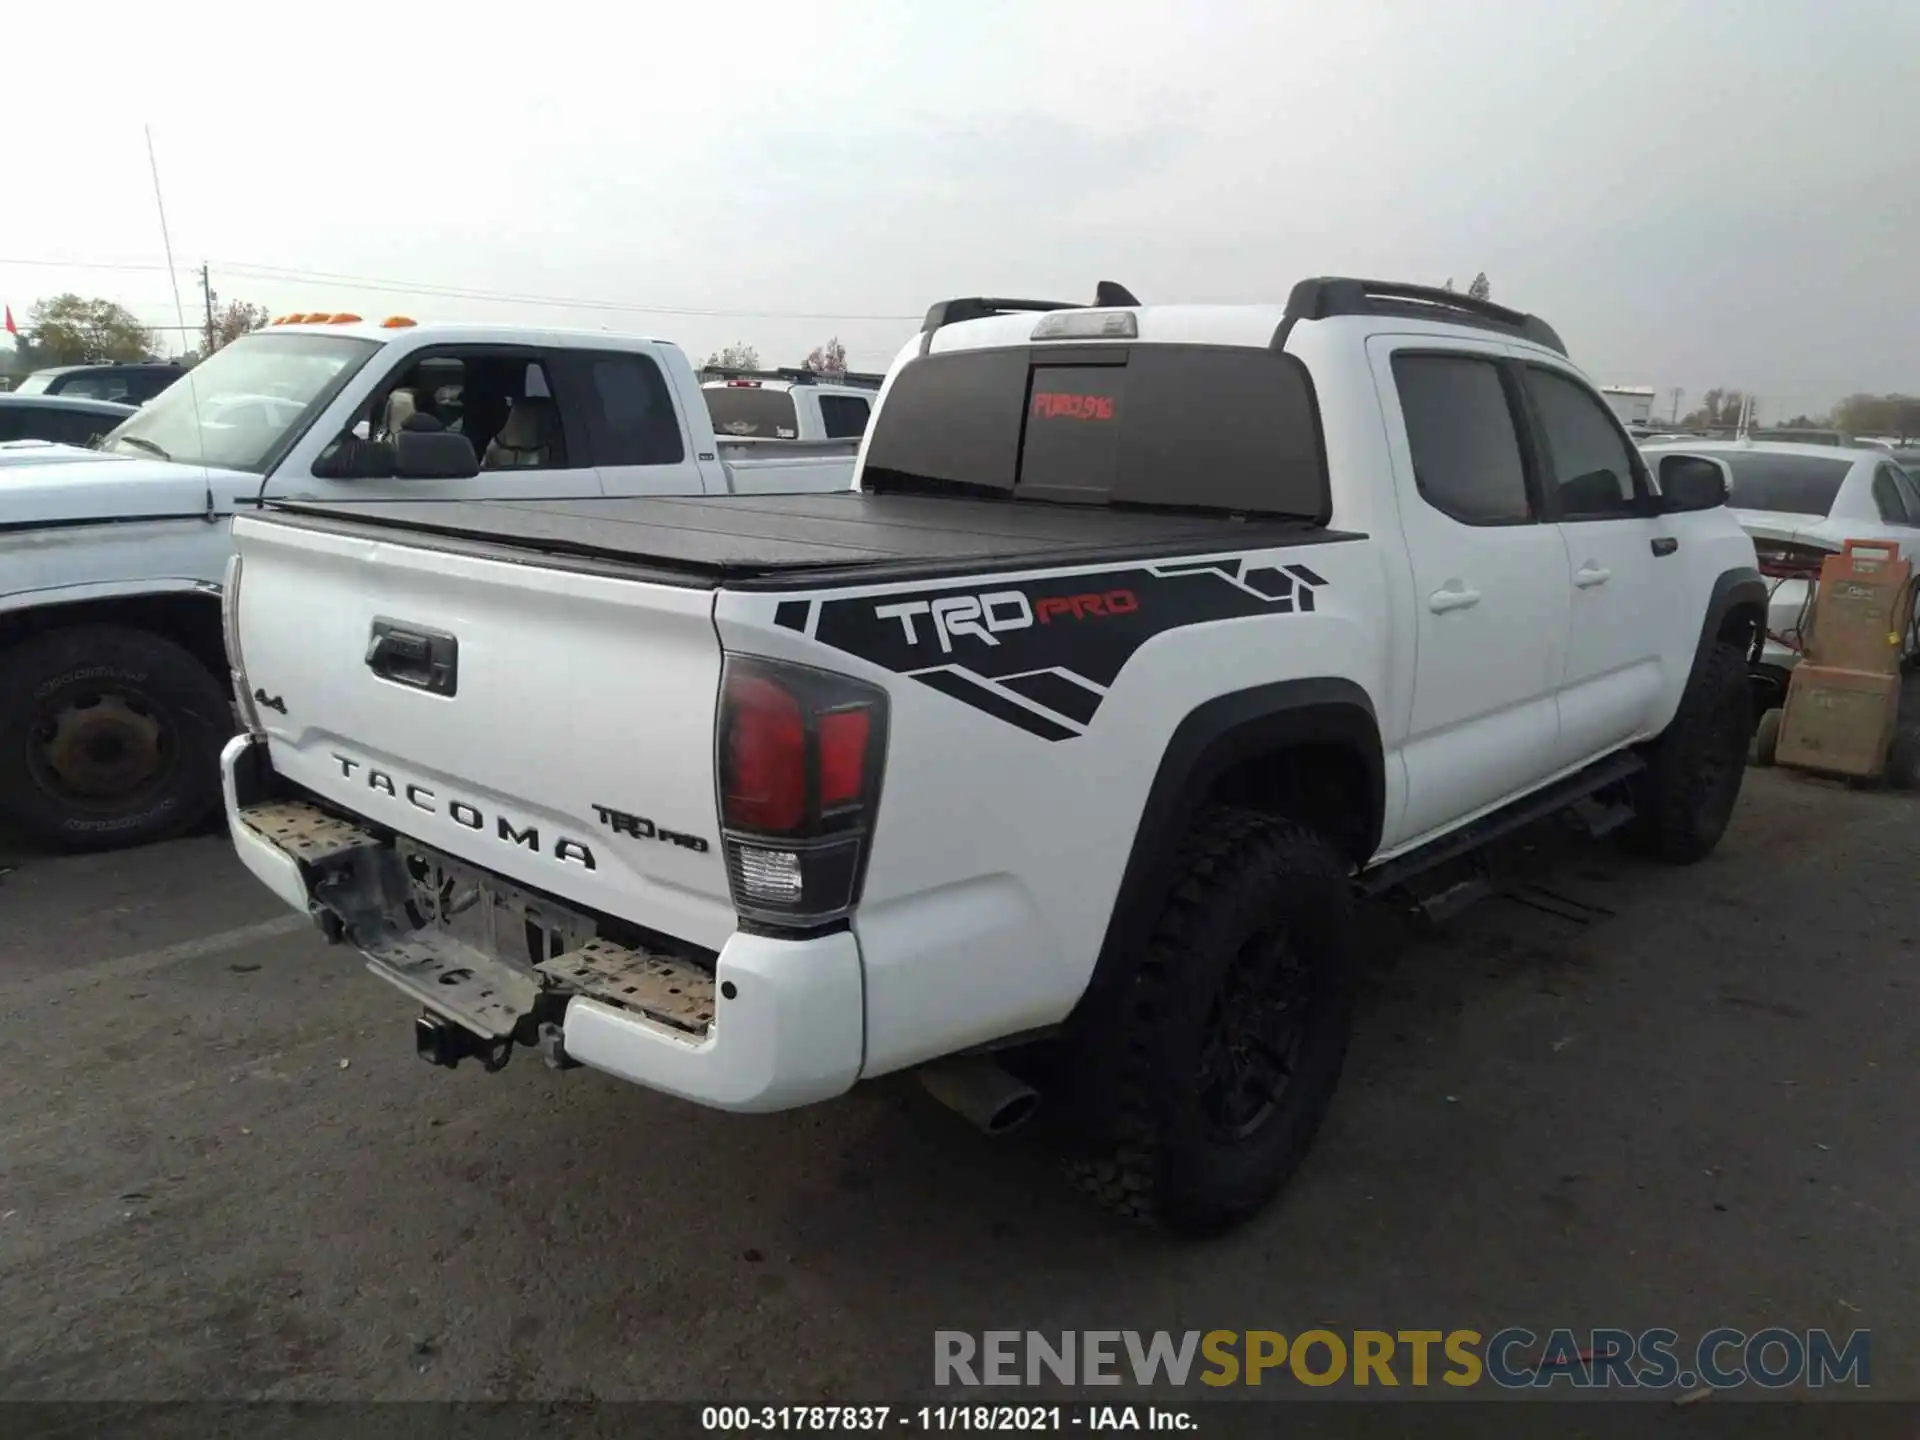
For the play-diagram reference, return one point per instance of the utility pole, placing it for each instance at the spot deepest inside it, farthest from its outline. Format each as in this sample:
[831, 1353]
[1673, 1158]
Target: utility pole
[206, 289]
[1674, 419]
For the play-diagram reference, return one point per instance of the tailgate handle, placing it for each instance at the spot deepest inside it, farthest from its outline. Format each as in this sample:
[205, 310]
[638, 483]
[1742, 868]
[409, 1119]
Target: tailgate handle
[410, 655]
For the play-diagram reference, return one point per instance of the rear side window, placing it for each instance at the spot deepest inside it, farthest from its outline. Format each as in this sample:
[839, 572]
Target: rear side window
[844, 416]
[1903, 481]
[1185, 426]
[145, 384]
[751, 412]
[1587, 458]
[632, 415]
[1464, 444]
[101, 385]
[1786, 484]
[1887, 498]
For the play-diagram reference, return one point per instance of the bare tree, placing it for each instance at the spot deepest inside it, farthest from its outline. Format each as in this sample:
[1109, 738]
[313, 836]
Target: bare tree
[238, 318]
[1480, 289]
[737, 356]
[1719, 408]
[1878, 415]
[828, 359]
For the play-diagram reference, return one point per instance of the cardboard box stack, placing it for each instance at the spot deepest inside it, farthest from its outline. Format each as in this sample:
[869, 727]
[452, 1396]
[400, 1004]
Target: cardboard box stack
[1843, 699]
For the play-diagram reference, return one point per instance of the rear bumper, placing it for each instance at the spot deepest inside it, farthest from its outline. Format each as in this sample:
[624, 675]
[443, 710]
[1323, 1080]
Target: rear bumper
[787, 1025]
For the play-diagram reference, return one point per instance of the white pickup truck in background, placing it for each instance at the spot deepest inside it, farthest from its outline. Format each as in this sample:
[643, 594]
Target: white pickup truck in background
[113, 684]
[782, 405]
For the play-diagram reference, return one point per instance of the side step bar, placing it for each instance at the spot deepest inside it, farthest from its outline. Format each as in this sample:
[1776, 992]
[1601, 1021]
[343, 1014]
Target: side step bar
[1563, 795]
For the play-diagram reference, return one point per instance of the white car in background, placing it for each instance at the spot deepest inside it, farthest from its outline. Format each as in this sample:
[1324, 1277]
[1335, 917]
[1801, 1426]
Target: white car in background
[1801, 503]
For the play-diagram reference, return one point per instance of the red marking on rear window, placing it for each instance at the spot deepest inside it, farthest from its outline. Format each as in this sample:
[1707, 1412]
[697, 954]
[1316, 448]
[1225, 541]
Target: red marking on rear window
[1056, 405]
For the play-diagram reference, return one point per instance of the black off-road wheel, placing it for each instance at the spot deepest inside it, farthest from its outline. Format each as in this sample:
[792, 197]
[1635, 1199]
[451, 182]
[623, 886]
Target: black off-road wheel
[1685, 797]
[1235, 1030]
[108, 738]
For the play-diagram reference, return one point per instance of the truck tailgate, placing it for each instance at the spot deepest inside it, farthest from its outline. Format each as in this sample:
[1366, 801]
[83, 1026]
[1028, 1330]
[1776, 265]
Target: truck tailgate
[549, 725]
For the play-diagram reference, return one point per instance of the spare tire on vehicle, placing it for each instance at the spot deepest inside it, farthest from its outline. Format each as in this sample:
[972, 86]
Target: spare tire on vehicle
[109, 737]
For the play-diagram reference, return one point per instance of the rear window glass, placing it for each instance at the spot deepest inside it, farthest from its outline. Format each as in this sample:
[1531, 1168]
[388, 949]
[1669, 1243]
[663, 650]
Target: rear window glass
[1169, 425]
[1785, 484]
[752, 413]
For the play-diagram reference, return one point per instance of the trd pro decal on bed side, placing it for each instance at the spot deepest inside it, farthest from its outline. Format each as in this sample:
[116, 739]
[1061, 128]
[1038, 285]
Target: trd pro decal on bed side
[1041, 654]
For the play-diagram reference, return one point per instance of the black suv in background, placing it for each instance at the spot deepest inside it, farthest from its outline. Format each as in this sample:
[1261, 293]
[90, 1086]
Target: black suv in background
[130, 382]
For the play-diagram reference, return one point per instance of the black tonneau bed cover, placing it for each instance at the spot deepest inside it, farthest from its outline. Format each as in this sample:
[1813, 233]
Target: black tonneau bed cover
[780, 541]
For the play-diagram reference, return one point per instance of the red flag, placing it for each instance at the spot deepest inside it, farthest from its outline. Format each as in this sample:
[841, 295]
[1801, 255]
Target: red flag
[12, 329]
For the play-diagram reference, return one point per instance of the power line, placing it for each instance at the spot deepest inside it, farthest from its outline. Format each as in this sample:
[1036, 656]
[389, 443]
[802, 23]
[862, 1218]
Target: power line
[454, 292]
[283, 274]
[93, 265]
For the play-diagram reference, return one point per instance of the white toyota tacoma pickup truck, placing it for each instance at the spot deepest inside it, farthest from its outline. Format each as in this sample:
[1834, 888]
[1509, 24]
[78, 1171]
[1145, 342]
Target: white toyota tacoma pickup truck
[113, 702]
[1049, 761]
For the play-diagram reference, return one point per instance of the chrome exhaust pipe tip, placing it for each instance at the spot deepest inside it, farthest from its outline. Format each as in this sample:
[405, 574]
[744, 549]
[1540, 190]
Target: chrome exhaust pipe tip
[981, 1092]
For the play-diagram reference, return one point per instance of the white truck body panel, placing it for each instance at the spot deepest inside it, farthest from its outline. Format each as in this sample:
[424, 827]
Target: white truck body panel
[42, 452]
[527, 741]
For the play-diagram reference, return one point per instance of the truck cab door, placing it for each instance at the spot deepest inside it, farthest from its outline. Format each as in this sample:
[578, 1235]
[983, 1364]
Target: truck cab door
[1490, 580]
[1626, 637]
[641, 441]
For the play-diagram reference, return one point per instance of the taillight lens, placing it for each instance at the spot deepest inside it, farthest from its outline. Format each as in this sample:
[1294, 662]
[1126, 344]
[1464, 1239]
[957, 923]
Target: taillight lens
[800, 757]
[764, 767]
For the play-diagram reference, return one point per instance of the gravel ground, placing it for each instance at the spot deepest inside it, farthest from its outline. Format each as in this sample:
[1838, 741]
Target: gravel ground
[223, 1173]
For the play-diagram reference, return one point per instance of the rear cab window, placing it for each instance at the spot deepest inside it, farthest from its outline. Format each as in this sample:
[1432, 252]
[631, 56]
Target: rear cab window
[746, 410]
[1178, 426]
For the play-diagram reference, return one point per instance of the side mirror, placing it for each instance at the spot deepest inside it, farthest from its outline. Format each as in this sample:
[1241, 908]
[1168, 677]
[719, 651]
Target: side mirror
[1692, 482]
[426, 450]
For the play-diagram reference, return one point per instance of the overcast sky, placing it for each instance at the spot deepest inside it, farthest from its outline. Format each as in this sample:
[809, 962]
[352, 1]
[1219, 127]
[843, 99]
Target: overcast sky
[1692, 193]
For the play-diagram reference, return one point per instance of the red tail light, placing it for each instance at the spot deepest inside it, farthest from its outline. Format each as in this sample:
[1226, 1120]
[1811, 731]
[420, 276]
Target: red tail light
[765, 765]
[800, 758]
[843, 756]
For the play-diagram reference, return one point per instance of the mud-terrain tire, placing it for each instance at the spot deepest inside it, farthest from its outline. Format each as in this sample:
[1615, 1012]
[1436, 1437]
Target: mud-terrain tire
[109, 738]
[1235, 1030]
[1685, 797]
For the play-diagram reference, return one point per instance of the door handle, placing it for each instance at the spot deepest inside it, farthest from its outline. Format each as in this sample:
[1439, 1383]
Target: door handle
[1590, 575]
[1664, 544]
[410, 655]
[1452, 596]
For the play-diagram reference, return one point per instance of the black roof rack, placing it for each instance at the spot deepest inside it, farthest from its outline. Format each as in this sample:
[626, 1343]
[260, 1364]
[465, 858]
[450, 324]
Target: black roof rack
[793, 375]
[1329, 295]
[1106, 294]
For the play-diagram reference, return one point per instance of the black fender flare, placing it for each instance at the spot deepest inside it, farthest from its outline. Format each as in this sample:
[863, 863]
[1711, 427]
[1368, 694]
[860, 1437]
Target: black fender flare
[1209, 741]
[1741, 588]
